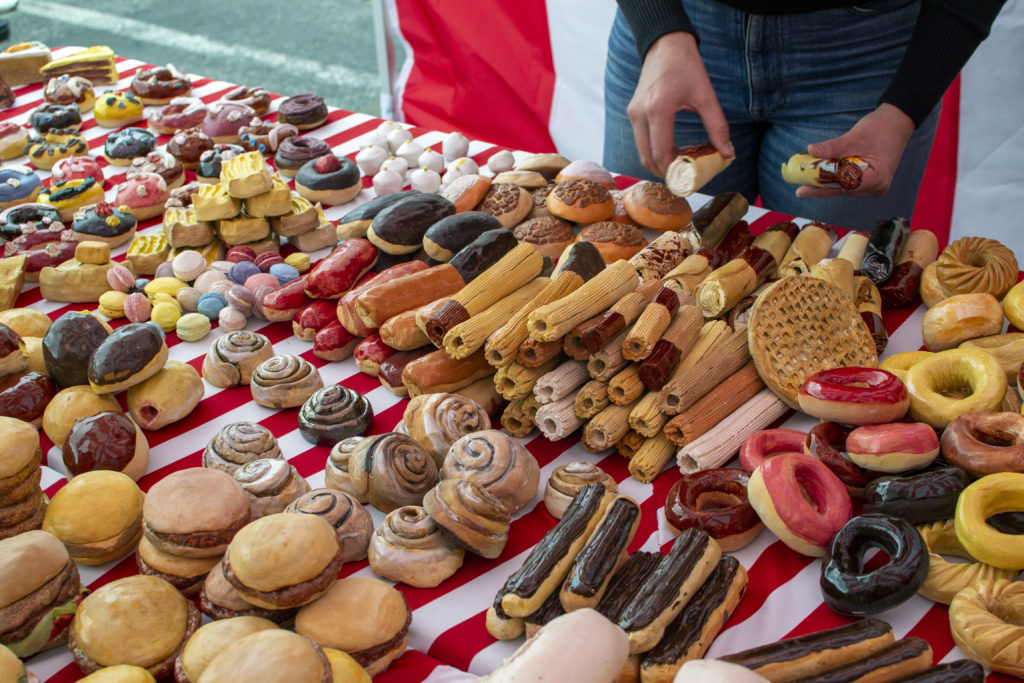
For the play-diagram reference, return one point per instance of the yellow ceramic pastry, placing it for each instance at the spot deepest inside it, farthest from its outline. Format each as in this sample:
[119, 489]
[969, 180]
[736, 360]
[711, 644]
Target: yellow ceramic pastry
[118, 109]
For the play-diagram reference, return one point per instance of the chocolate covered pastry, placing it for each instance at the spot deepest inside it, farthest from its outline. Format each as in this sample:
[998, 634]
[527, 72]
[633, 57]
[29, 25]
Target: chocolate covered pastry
[333, 414]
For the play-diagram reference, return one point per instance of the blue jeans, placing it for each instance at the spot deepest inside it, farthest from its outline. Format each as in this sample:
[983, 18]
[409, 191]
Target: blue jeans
[783, 82]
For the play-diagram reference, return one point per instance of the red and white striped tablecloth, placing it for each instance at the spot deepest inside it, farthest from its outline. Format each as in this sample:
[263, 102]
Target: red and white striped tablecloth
[447, 637]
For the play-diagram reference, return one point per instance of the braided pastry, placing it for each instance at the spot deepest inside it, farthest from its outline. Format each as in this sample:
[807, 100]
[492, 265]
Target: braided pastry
[469, 513]
[333, 414]
[566, 481]
[945, 579]
[351, 521]
[232, 358]
[976, 264]
[437, 420]
[271, 484]
[411, 548]
[240, 443]
[984, 620]
[284, 381]
[391, 470]
[498, 463]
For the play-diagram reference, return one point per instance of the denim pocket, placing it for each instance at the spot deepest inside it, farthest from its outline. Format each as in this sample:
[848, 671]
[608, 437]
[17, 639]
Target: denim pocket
[879, 6]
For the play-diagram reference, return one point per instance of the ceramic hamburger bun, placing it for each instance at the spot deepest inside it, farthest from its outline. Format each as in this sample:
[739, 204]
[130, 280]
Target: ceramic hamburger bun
[210, 640]
[269, 656]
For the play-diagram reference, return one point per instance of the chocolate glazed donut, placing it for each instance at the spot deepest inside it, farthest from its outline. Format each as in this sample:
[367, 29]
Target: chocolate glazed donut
[920, 498]
[849, 590]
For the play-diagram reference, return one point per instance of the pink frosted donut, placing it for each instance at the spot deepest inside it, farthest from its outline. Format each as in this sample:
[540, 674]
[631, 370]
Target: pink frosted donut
[77, 168]
[224, 120]
[255, 97]
[893, 448]
[143, 193]
[854, 395]
[181, 113]
[800, 500]
[164, 164]
[769, 443]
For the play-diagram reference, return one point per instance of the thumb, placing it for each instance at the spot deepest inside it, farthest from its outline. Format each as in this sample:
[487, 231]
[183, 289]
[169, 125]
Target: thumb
[827, 149]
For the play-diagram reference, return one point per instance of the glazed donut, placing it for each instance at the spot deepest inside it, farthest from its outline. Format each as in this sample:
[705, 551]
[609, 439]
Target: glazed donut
[857, 396]
[899, 363]
[76, 168]
[18, 185]
[716, 501]
[124, 145]
[988, 496]
[208, 168]
[959, 318]
[257, 98]
[160, 84]
[985, 623]
[224, 120]
[893, 448]
[34, 217]
[985, 443]
[800, 500]
[68, 89]
[933, 384]
[946, 579]
[44, 152]
[918, 498]
[143, 193]
[188, 145]
[265, 138]
[162, 163]
[179, 114]
[827, 442]
[976, 264]
[55, 116]
[849, 590]
[767, 443]
[12, 140]
[294, 152]
[71, 196]
[117, 109]
[104, 222]
[304, 111]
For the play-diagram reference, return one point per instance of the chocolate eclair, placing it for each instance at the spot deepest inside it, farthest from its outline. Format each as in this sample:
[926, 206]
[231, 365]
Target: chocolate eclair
[622, 587]
[893, 662]
[690, 634]
[669, 588]
[605, 550]
[550, 560]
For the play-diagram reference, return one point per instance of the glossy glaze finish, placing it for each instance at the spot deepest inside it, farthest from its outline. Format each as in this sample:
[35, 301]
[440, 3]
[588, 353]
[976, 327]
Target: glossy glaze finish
[827, 442]
[67, 346]
[714, 500]
[333, 414]
[105, 441]
[24, 396]
[919, 498]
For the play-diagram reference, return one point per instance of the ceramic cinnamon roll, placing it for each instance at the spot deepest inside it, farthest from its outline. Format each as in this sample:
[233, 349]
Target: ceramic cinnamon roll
[436, 421]
[271, 484]
[232, 358]
[566, 481]
[498, 463]
[240, 443]
[333, 414]
[284, 381]
[391, 470]
[336, 472]
[351, 521]
[409, 547]
[470, 514]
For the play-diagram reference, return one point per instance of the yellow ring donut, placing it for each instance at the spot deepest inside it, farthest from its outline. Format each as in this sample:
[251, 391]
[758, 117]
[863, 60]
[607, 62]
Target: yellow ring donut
[1013, 305]
[988, 496]
[933, 382]
[946, 579]
[984, 622]
[899, 363]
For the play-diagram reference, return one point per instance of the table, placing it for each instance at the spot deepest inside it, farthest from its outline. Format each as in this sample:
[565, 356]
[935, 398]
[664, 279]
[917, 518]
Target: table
[447, 637]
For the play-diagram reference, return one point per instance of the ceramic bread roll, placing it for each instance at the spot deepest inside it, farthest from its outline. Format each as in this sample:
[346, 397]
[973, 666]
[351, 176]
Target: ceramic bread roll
[333, 414]
[466, 511]
[436, 421]
[811, 244]
[566, 481]
[383, 301]
[400, 227]
[391, 470]
[837, 173]
[356, 222]
[496, 462]
[409, 547]
[239, 443]
[284, 381]
[270, 484]
[695, 267]
[554, 320]
[694, 167]
[437, 372]
[352, 523]
[514, 270]
[449, 235]
[579, 263]
[126, 357]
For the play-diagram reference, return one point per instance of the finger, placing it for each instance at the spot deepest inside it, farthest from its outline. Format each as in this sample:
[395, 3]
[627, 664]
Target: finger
[643, 141]
[809, 191]
[827, 149]
[662, 128]
[717, 128]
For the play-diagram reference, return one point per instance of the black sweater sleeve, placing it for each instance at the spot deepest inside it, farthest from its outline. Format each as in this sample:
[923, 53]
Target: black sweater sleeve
[945, 36]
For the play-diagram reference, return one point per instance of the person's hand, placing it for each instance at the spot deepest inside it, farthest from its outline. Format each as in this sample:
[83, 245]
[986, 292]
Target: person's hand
[673, 79]
[879, 138]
